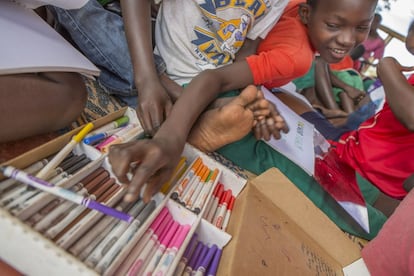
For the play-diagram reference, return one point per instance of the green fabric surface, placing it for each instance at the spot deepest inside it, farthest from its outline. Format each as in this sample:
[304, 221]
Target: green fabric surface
[369, 191]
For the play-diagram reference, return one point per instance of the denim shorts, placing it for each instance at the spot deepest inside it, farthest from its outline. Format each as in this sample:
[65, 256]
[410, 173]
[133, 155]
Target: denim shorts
[99, 34]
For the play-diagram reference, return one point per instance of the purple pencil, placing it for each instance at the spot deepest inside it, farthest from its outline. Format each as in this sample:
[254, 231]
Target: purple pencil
[186, 255]
[212, 269]
[206, 260]
[193, 259]
[200, 258]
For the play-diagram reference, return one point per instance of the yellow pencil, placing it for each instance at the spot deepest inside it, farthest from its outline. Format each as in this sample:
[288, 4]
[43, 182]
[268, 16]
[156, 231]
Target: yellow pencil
[178, 171]
[43, 173]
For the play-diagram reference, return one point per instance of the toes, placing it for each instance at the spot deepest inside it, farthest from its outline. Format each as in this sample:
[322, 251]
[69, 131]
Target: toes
[247, 96]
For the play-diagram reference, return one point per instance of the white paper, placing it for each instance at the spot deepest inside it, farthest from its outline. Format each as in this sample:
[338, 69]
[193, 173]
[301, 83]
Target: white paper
[30, 45]
[65, 4]
[358, 212]
[297, 144]
[357, 268]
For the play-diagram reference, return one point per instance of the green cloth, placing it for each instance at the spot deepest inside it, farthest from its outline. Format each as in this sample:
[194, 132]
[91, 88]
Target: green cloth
[370, 192]
[257, 157]
[368, 82]
[350, 77]
[104, 2]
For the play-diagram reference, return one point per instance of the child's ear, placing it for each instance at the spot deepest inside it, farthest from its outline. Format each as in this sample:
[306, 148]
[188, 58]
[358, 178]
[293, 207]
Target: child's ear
[304, 12]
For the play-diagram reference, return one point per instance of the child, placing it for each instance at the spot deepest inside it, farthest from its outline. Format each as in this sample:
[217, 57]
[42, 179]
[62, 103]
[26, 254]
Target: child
[101, 36]
[381, 148]
[335, 89]
[336, 94]
[331, 28]
[374, 46]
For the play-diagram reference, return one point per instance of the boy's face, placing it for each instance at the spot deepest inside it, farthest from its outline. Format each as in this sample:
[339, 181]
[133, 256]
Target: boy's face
[336, 27]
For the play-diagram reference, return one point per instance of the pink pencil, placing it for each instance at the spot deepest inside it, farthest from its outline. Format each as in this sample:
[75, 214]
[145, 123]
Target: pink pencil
[133, 255]
[160, 250]
[150, 246]
[169, 255]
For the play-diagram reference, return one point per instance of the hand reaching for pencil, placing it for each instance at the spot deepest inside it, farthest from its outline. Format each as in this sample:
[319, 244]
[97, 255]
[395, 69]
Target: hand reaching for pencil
[147, 162]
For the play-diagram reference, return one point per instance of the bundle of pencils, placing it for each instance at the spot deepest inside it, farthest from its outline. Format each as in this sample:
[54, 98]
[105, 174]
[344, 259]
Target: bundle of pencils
[193, 189]
[199, 259]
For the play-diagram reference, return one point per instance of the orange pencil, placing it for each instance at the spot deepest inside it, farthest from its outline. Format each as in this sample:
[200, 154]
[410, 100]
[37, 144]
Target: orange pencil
[184, 182]
[189, 190]
[198, 188]
[202, 197]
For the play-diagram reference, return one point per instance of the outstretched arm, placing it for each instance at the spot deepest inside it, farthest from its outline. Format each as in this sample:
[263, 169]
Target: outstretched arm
[154, 103]
[399, 93]
[155, 159]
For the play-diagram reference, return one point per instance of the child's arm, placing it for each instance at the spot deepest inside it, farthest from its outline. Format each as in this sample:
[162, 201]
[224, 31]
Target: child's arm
[323, 84]
[399, 93]
[156, 158]
[154, 103]
[249, 48]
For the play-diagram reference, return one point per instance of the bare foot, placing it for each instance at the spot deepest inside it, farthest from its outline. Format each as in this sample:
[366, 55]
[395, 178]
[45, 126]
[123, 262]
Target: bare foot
[226, 124]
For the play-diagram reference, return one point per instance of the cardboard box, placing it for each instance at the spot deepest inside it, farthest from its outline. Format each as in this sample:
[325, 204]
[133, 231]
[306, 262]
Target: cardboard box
[277, 230]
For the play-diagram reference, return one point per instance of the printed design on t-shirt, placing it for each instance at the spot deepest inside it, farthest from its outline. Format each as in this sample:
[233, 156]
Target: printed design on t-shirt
[218, 39]
[233, 33]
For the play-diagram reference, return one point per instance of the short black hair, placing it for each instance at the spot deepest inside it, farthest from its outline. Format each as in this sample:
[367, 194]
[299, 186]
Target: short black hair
[311, 3]
[411, 26]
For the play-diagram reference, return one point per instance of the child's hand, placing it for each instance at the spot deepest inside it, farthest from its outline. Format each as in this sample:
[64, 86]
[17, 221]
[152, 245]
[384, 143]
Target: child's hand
[149, 162]
[154, 105]
[270, 125]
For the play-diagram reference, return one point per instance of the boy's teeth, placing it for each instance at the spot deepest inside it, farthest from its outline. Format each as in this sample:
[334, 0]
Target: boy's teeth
[338, 51]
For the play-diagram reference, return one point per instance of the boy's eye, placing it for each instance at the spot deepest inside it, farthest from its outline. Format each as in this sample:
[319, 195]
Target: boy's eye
[363, 28]
[332, 25]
